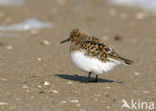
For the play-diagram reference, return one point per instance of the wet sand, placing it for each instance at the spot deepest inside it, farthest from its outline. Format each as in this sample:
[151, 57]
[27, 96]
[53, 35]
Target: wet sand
[38, 76]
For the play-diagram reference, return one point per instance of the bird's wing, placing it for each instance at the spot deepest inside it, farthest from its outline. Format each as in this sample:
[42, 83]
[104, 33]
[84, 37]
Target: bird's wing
[94, 49]
[114, 56]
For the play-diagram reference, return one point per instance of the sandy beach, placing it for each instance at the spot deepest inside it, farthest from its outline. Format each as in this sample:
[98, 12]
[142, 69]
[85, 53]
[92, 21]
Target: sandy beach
[36, 73]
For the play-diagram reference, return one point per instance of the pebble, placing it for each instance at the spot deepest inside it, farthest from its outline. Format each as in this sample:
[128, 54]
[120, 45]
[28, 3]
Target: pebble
[106, 95]
[41, 92]
[118, 37]
[2, 44]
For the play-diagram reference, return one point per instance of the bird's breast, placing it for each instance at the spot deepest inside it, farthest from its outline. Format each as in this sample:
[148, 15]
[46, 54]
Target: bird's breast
[90, 64]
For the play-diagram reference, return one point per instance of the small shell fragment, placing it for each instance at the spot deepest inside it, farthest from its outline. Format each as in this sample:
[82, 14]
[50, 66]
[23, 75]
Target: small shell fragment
[140, 15]
[75, 92]
[25, 87]
[3, 103]
[136, 73]
[63, 102]
[27, 90]
[82, 110]
[95, 99]
[46, 83]
[74, 101]
[146, 92]
[78, 105]
[39, 86]
[107, 87]
[9, 47]
[39, 59]
[108, 107]
[53, 91]
[69, 82]
[45, 42]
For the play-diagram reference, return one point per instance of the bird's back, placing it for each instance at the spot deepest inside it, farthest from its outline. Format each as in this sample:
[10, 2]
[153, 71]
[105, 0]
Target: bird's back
[95, 48]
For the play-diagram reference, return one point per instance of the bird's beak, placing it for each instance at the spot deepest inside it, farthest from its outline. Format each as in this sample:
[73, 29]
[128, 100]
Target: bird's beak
[65, 40]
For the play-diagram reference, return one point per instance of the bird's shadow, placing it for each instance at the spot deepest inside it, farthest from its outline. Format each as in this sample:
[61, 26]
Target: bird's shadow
[83, 79]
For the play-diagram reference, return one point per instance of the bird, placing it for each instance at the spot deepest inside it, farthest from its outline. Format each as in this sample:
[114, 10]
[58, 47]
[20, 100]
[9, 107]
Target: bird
[92, 55]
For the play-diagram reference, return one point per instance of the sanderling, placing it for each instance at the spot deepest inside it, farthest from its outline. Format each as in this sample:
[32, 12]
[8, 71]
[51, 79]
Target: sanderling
[92, 55]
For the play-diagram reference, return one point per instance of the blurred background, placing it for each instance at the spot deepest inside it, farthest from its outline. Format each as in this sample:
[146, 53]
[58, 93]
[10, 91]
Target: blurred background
[36, 73]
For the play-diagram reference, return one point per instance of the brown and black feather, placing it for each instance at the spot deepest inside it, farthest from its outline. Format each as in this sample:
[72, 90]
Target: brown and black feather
[93, 47]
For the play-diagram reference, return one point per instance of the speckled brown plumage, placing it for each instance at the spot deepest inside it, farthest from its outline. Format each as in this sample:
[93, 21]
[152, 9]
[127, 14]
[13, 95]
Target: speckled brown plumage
[92, 55]
[93, 47]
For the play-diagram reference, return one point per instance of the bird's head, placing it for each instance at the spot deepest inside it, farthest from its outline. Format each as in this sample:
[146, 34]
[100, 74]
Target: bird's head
[75, 35]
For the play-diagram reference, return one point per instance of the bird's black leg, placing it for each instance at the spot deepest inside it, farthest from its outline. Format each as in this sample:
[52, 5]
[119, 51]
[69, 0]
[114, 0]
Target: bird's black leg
[89, 76]
[96, 79]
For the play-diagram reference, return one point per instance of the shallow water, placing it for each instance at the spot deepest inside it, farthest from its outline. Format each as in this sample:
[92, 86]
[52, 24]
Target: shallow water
[27, 24]
[12, 2]
[144, 4]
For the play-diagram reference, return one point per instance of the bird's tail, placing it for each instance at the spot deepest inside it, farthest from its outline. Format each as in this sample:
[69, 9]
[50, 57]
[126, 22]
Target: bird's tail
[126, 61]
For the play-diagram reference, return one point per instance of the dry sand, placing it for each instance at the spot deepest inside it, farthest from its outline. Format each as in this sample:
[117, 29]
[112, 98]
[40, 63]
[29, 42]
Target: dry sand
[39, 77]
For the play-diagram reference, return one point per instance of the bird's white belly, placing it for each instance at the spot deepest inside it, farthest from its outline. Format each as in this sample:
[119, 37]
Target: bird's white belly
[89, 64]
